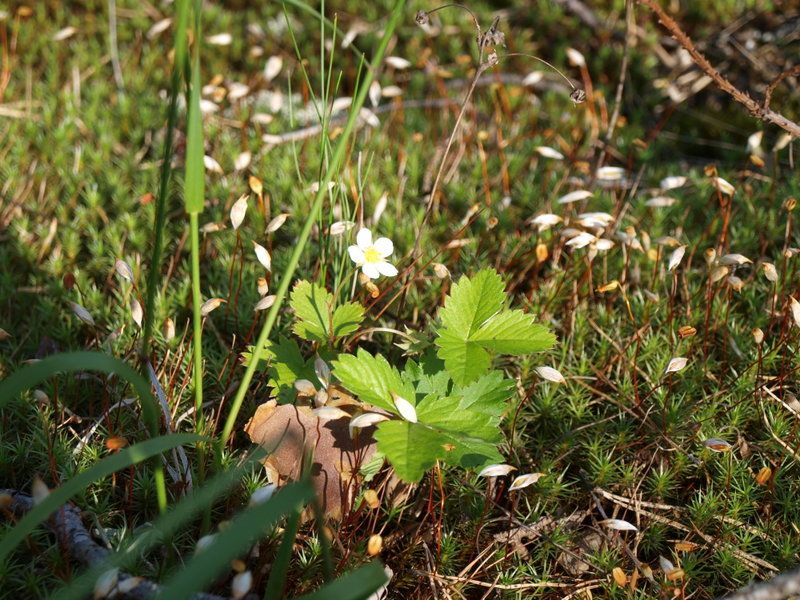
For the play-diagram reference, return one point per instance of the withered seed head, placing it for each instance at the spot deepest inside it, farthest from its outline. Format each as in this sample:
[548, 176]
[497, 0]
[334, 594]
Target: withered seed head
[578, 96]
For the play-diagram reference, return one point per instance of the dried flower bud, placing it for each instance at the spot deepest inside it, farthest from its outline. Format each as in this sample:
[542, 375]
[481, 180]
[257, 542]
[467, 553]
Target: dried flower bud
[422, 17]
[441, 271]
[578, 96]
[710, 255]
[764, 475]
[607, 287]
[371, 498]
[758, 335]
[492, 36]
[770, 272]
[255, 185]
[169, 330]
[491, 59]
[541, 252]
[375, 544]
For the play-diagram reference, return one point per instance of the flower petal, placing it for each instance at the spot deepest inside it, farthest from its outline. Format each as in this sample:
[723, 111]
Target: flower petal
[385, 268]
[384, 246]
[364, 238]
[370, 270]
[356, 254]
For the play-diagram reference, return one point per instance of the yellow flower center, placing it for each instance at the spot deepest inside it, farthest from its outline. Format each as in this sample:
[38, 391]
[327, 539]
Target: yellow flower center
[372, 256]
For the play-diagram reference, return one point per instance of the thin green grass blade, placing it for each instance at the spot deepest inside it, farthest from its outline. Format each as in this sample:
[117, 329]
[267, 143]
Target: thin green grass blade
[194, 182]
[110, 464]
[153, 275]
[356, 585]
[241, 533]
[280, 566]
[194, 197]
[302, 6]
[287, 276]
[162, 528]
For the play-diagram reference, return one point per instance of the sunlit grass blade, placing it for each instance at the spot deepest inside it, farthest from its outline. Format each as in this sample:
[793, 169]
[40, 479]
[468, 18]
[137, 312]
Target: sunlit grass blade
[356, 585]
[154, 273]
[110, 464]
[287, 276]
[280, 566]
[240, 534]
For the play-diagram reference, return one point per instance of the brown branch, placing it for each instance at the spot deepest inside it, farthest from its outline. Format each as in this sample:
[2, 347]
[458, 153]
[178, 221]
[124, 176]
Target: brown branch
[67, 524]
[775, 82]
[760, 111]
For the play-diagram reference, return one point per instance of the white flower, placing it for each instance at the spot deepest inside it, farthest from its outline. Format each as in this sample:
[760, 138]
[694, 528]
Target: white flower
[371, 257]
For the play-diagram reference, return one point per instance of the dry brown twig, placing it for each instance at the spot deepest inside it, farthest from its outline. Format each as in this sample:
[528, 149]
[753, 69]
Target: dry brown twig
[760, 110]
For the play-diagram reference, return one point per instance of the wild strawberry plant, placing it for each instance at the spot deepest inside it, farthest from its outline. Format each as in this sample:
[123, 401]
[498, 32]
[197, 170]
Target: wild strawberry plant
[445, 405]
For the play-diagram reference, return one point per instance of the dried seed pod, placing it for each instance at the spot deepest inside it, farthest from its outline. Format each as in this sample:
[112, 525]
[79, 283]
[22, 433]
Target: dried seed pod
[764, 475]
[371, 498]
[676, 364]
[550, 374]
[210, 305]
[770, 272]
[578, 96]
[497, 470]
[238, 211]
[375, 544]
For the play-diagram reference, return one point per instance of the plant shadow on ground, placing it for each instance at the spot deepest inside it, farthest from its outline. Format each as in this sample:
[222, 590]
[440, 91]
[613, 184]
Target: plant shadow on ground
[620, 438]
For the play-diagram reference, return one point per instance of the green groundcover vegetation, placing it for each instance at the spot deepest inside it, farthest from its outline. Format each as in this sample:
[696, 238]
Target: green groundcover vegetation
[373, 299]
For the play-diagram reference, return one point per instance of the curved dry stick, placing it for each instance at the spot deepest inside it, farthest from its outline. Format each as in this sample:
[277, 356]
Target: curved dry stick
[775, 82]
[760, 111]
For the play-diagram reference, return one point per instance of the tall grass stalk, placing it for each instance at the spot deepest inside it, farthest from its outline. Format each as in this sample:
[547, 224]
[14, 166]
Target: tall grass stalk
[194, 192]
[336, 161]
[161, 217]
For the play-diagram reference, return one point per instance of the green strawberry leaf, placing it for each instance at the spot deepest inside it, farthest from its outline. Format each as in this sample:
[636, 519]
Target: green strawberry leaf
[474, 323]
[346, 319]
[412, 448]
[317, 319]
[285, 366]
[488, 395]
[372, 379]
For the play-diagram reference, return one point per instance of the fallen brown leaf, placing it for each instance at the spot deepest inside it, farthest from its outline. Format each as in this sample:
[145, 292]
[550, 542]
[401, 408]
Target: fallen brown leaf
[290, 432]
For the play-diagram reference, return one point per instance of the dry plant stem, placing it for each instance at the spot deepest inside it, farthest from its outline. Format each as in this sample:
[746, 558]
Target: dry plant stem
[623, 72]
[775, 82]
[112, 41]
[67, 525]
[432, 198]
[758, 110]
